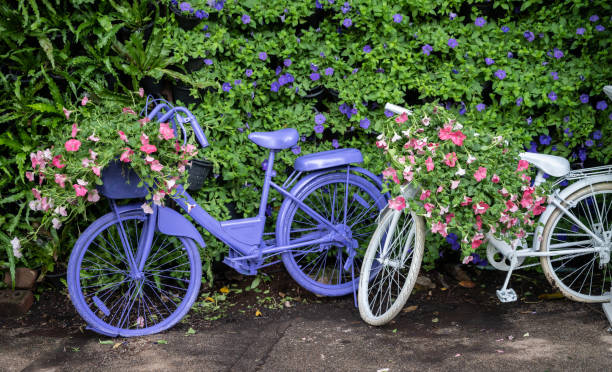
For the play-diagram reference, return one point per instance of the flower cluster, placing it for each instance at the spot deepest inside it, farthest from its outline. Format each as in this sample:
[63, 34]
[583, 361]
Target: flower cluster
[67, 176]
[469, 183]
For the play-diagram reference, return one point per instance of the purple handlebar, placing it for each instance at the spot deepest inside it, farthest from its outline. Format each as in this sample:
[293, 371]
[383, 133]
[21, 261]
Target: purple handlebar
[200, 136]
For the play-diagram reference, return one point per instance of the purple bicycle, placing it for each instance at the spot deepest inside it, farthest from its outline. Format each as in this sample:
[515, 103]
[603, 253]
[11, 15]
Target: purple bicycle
[132, 273]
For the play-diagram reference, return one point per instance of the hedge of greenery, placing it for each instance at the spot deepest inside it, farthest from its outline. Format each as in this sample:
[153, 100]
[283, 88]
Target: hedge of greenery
[324, 67]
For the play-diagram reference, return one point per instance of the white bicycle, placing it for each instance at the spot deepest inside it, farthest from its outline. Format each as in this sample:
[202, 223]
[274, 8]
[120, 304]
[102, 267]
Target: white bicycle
[573, 241]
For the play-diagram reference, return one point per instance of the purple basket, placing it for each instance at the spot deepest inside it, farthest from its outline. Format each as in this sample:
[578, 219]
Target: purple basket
[121, 182]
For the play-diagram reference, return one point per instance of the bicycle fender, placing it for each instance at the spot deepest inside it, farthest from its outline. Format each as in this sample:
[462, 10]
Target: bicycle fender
[564, 194]
[171, 222]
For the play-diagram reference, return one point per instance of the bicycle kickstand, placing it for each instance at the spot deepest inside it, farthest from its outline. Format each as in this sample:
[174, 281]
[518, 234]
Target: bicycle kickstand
[506, 294]
[607, 308]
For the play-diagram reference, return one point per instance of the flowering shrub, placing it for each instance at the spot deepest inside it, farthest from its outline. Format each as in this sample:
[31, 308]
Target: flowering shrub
[66, 176]
[468, 182]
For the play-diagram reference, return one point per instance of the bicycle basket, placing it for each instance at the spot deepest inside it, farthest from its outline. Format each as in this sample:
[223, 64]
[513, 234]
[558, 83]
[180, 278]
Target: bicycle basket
[198, 172]
[121, 182]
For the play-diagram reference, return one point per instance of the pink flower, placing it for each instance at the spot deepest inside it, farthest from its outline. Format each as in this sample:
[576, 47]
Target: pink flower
[141, 92]
[430, 164]
[470, 159]
[93, 155]
[467, 260]
[522, 165]
[84, 101]
[122, 136]
[445, 133]
[127, 110]
[80, 190]
[85, 162]
[425, 194]
[158, 197]
[146, 208]
[93, 196]
[440, 189]
[60, 179]
[381, 144]
[458, 137]
[449, 217]
[480, 207]
[93, 138]
[72, 145]
[477, 240]
[521, 234]
[156, 166]
[495, 178]
[165, 131]
[56, 223]
[454, 184]
[429, 207]
[425, 121]
[510, 206]
[96, 171]
[125, 156]
[439, 227]
[149, 149]
[75, 130]
[144, 139]
[480, 174]
[190, 149]
[61, 211]
[46, 204]
[466, 200]
[36, 193]
[66, 113]
[30, 176]
[408, 174]
[398, 203]
[143, 121]
[391, 173]
[402, 118]
[56, 162]
[450, 159]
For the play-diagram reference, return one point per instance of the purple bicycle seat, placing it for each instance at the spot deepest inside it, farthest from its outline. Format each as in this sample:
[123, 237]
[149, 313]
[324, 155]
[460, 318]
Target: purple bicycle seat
[327, 159]
[277, 140]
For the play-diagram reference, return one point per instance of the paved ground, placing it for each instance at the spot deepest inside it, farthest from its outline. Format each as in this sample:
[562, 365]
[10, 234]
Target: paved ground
[456, 329]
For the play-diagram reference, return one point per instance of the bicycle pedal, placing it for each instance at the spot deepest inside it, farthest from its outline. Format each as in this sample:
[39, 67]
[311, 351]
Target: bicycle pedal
[506, 296]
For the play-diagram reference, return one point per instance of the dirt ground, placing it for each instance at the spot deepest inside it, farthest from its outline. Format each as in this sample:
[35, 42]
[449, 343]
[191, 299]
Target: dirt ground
[276, 326]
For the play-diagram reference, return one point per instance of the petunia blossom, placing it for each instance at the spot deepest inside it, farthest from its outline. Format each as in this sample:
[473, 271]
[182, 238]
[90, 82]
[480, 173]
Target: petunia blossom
[74, 131]
[495, 178]
[72, 145]
[146, 208]
[398, 203]
[450, 159]
[165, 131]
[80, 190]
[122, 136]
[57, 162]
[454, 184]
[429, 164]
[148, 148]
[439, 227]
[522, 165]
[93, 196]
[480, 174]
[60, 179]
[480, 207]
[425, 194]
[125, 156]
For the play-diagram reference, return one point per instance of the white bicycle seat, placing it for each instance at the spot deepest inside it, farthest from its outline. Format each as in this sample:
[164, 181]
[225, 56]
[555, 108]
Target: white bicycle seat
[556, 166]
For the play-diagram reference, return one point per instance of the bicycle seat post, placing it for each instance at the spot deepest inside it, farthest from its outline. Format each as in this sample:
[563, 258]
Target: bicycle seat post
[266, 186]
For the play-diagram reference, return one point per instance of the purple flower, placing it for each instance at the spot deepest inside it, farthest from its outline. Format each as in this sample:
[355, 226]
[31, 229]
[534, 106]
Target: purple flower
[601, 105]
[580, 31]
[315, 76]
[480, 107]
[246, 19]
[533, 147]
[278, 70]
[354, 71]
[207, 34]
[510, 55]
[367, 49]
[596, 135]
[205, 27]
[584, 98]
[568, 132]
[365, 122]
[387, 114]
[452, 16]
[319, 128]
[545, 139]
[594, 18]
[274, 86]
[263, 56]
[489, 61]
[237, 82]
[529, 120]
[397, 18]
[314, 67]
[582, 154]
[347, 22]
[296, 149]
[200, 14]
[552, 96]
[248, 72]
[208, 61]
[505, 29]
[480, 21]
[529, 36]
[287, 62]
[454, 71]
[335, 143]
[519, 101]
[588, 143]
[557, 53]
[226, 87]
[344, 108]
[554, 75]
[185, 7]
[320, 119]
[426, 49]
[345, 8]
[329, 71]
[600, 28]
[500, 74]
[566, 119]
[452, 43]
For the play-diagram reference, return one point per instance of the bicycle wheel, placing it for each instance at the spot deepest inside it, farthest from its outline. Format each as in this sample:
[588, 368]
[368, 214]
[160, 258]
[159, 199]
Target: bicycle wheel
[391, 266]
[331, 268]
[114, 301]
[584, 277]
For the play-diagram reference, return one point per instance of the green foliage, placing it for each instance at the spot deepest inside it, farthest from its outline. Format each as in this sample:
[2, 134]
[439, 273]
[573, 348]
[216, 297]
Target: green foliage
[56, 51]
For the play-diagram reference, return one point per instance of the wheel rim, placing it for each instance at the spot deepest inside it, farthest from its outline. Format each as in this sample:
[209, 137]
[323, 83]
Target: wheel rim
[115, 300]
[584, 276]
[325, 266]
[390, 262]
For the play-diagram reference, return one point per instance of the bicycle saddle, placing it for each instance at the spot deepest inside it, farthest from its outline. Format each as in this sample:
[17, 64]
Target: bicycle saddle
[277, 140]
[556, 166]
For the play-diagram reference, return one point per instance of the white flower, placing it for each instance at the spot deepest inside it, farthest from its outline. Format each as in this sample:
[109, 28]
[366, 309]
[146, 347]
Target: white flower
[82, 182]
[406, 133]
[457, 126]
[396, 137]
[47, 154]
[471, 159]
[190, 207]
[61, 211]
[460, 172]
[146, 208]
[56, 223]
[16, 248]
[380, 137]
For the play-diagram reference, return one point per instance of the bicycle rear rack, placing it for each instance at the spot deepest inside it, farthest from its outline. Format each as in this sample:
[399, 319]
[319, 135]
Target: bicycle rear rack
[589, 172]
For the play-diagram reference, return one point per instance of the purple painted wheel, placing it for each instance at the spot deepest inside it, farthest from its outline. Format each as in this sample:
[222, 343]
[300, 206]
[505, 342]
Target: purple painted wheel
[112, 300]
[331, 268]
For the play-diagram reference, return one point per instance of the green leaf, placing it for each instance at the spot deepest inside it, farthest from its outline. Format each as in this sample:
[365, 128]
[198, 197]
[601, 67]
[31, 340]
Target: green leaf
[106, 342]
[46, 45]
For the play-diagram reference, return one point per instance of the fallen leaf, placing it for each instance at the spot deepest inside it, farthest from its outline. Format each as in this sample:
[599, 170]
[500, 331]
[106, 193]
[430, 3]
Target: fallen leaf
[116, 345]
[162, 342]
[190, 331]
[501, 339]
[281, 294]
[435, 320]
[395, 330]
[550, 296]
[526, 334]
[457, 355]
[444, 289]
[224, 290]
[257, 313]
[510, 337]
[383, 370]
[410, 309]
[106, 342]
[467, 284]
[209, 299]
[287, 304]
[500, 351]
